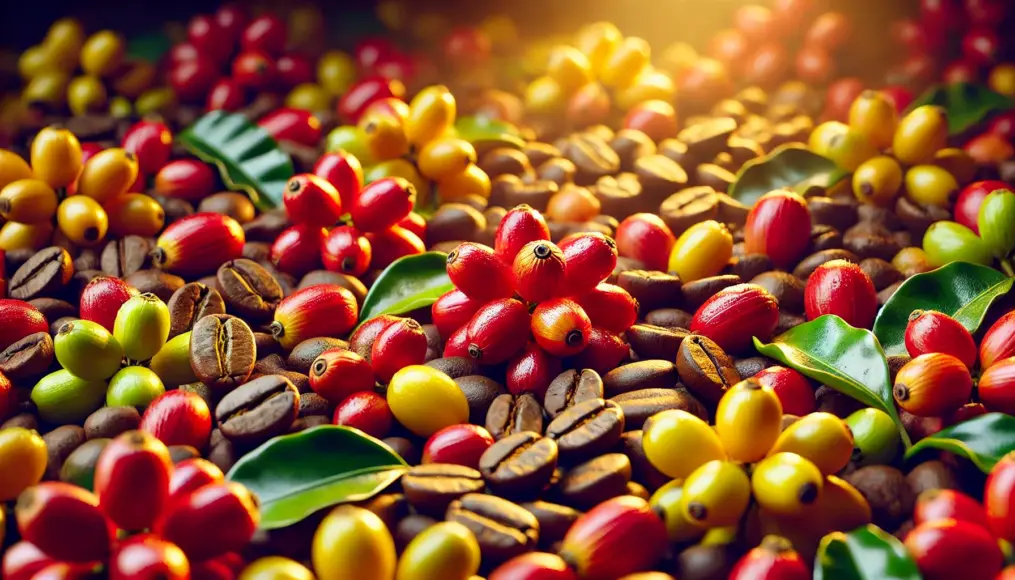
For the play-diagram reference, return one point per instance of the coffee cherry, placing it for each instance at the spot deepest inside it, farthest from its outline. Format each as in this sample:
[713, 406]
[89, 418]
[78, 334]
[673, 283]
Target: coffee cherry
[178, 418]
[61, 398]
[617, 537]
[701, 251]
[191, 474]
[213, 520]
[947, 242]
[400, 344]
[267, 33]
[452, 311]
[65, 522]
[297, 250]
[931, 331]
[531, 371]
[431, 112]
[999, 341]
[931, 185]
[19, 319]
[82, 220]
[148, 554]
[534, 565]
[388, 245]
[108, 174]
[822, 438]
[314, 311]
[951, 548]
[132, 480]
[748, 420]
[560, 327]
[841, 288]
[609, 307]
[28, 201]
[225, 95]
[366, 411]
[667, 431]
[874, 115]
[603, 353]
[590, 259]
[475, 270]
[338, 373]
[943, 504]
[996, 214]
[998, 495]
[932, 385]
[538, 271]
[875, 437]
[517, 228]
[56, 159]
[645, 237]
[137, 214]
[198, 244]
[344, 172]
[444, 157]
[996, 387]
[793, 389]
[312, 200]
[187, 179]
[967, 206]
[877, 181]
[786, 483]
[716, 494]
[353, 542]
[151, 143]
[736, 314]
[457, 344]
[346, 250]
[774, 558]
[425, 400]
[26, 449]
[920, 134]
[382, 204]
[443, 550]
[498, 331]
[666, 501]
[457, 444]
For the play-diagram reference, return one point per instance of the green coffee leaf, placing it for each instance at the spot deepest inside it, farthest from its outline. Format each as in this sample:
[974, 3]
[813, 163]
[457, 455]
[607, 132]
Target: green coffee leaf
[867, 553]
[407, 284]
[967, 104]
[984, 440]
[788, 166]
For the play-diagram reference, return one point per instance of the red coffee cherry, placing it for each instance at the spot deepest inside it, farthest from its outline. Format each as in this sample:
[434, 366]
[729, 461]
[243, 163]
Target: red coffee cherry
[178, 418]
[399, 345]
[198, 244]
[294, 69]
[225, 95]
[346, 250]
[364, 93]
[415, 223]
[498, 331]
[610, 307]
[216, 519]
[452, 311]
[297, 250]
[999, 496]
[391, 244]
[603, 353]
[312, 200]
[366, 411]
[590, 259]
[343, 171]
[267, 33]
[187, 179]
[22, 560]
[538, 270]
[932, 385]
[531, 371]
[457, 444]
[996, 388]
[191, 474]
[843, 289]
[646, 237]
[65, 522]
[151, 143]
[774, 558]
[314, 311]
[779, 225]
[132, 480]
[998, 342]
[532, 565]
[943, 504]
[192, 79]
[518, 227]
[736, 314]
[253, 70]
[617, 537]
[793, 389]
[561, 327]
[475, 270]
[337, 373]
[383, 203]
[954, 549]
[458, 343]
[18, 319]
[148, 556]
[102, 298]
[362, 339]
[8, 400]
[932, 331]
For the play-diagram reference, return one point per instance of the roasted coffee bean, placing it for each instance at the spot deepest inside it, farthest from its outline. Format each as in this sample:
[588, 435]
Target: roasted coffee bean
[639, 405]
[645, 374]
[249, 289]
[235, 205]
[592, 157]
[707, 139]
[505, 160]
[520, 465]
[87, 259]
[286, 281]
[642, 469]
[538, 153]
[514, 413]
[655, 342]
[190, 303]
[27, 358]
[587, 429]
[266, 227]
[509, 191]
[53, 308]
[434, 344]
[697, 292]
[881, 272]
[808, 265]
[257, 251]
[390, 507]
[456, 367]
[258, 410]
[630, 146]
[824, 238]
[787, 289]
[560, 171]
[731, 211]
[895, 363]
[313, 404]
[431, 487]
[178, 453]
[624, 264]
[669, 318]
[595, 481]
[918, 217]
[676, 151]
[828, 400]
[880, 216]
[454, 221]
[705, 369]
[46, 274]
[838, 212]
[175, 208]
[304, 423]
[788, 320]
[23, 420]
[621, 196]
[108, 422]
[554, 520]
[886, 294]
[502, 528]
[870, 245]
[409, 527]
[405, 449]
[269, 364]
[222, 351]
[266, 344]
[223, 454]
[689, 206]
[660, 177]
[60, 443]
[122, 257]
[749, 266]
[79, 281]
[652, 290]
[748, 367]
[14, 259]
[480, 391]
[303, 355]
[157, 282]
[714, 176]
[570, 388]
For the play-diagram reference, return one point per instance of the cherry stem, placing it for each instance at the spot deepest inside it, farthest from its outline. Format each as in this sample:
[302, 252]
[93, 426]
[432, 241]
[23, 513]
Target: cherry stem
[1006, 266]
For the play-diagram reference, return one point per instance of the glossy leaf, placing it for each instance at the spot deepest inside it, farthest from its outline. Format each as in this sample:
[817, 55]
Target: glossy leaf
[296, 475]
[245, 154]
[967, 104]
[847, 359]
[486, 134]
[866, 553]
[984, 440]
[407, 284]
[961, 290]
[788, 166]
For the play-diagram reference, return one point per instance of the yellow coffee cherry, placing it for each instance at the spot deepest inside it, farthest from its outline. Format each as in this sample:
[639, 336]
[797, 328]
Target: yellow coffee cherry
[398, 168]
[35, 60]
[716, 495]
[47, 88]
[82, 220]
[822, 438]
[28, 201]
[877, 180]
[19, 236]
[677, 442]
[931, 185]
[64, 41]
[598, 41]
[352, 140]
[666, 502]
[108, 174]
[1002, 79]
[472, 181]
[13, 168]
[677, 58]
[385, 137]
[786, 483]
[86, 94]
[120, 107]
[426, 400]
[309, 97]
[275, 568]
[153, 101]
[135, 214]
[56, 157]
[353, 542]
[445, 157]
[748, 420]
[957, 162]
[431, 113]
[920, 134]
[650, 85]
[841, 507]
[626, 63]
[102, 53]
[22, 461]
[544, 96]
[569, 67]
[821, 137]
[874, 116]
[701, 251]
[446, 550]
[911, 261]
[849, 150]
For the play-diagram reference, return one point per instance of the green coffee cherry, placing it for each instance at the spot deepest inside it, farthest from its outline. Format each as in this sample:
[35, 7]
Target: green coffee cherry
[997, 222]
[875, 438]
[63, 398]
[947, 242]
[87, 350]
[79, 468]
[134, 387]
[142, 326]
[172, 362]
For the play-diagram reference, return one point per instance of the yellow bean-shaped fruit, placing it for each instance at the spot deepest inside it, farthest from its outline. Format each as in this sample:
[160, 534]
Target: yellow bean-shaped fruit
[877, 180]
[86, 94]
[12, 168]
[108, 174]
[28, 201]
[275, 568]
[472, 181]
[716, 494]
[822, 438]
[544, 96]
[626, 62]
[701, 251]
[56, 157]
[748, 420]
[823, 134]
[19, 236]
[35, 60]
[444, 157]
[598, 41]
[569, 67]
[786, 483]
[957, 162]
[82, 220]
[135, 214]
[874, 116]
[385, 137]
[931, 185]
[666, 502]
[431, 113]
[446, 550]
[426, 400]
[64, 40]
[47, 88]
[677, 442]
[920, 135]
[352, 543]
[102, 53]
[22, 461]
